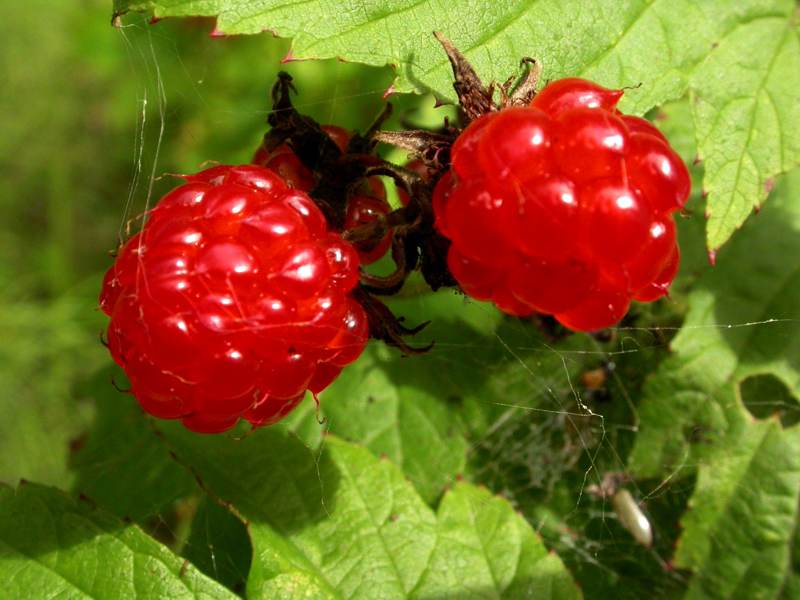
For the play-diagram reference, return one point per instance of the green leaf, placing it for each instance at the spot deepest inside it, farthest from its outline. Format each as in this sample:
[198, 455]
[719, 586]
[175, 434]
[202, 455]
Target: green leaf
[219, 545]
[737, 327]
[652, 43]
[739, 533]
[52, 546]
[488, 550]
[401, 417]
[791, 587]
[342, 523]
[422, 411]
[122, 465]
[745, 99]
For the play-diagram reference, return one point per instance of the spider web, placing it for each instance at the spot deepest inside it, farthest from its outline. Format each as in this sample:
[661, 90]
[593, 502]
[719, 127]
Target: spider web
[553, 439]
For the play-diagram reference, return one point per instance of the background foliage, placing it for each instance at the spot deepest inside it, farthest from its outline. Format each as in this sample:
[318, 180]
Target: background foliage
[463, 473]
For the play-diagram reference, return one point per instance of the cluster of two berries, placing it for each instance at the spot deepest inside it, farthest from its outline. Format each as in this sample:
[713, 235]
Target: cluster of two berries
[236, 297]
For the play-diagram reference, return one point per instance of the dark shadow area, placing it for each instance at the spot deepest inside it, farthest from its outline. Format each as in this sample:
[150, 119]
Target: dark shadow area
[766, 396]
[266, 475]
[120, 462]
[219, 545]
[602, 554]
[756, 286]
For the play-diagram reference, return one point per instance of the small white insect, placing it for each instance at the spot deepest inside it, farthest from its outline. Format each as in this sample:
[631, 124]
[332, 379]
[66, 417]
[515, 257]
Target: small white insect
[632, 518]
[628, 511]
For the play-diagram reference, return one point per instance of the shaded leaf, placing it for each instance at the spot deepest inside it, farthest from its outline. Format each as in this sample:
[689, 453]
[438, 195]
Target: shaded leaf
[738, 534]
[737, 327]
[48, 350]
[122, 465]
[343, 524]
[219, 545]
[52, 546]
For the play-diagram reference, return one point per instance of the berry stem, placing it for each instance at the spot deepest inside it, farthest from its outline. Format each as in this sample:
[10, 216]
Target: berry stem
[389, 284]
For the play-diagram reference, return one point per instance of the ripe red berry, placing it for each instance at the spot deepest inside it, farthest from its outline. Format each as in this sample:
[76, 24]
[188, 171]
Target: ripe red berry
[362, 210]
[339, 135]
[658, 172]
[591, 144]
[563, 207]
[285, 163]
[232, 301]
[523, 137]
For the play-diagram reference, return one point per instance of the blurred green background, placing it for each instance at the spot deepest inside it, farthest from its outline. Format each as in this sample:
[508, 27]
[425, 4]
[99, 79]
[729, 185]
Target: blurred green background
[89, 113]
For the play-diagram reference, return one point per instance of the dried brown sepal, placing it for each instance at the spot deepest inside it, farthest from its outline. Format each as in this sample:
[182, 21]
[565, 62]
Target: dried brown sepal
[306, 138]
[474, 98]
[385, 326]
[526, 89]
[388, 285]
[417, 141]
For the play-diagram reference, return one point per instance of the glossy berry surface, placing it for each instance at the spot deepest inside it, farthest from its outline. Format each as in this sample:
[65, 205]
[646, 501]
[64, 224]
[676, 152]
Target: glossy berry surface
[232, 301]
[563, 207]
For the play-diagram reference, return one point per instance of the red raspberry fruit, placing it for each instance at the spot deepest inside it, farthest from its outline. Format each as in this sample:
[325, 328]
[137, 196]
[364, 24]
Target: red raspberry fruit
[362, 210]
[232, 301]
[563, 207]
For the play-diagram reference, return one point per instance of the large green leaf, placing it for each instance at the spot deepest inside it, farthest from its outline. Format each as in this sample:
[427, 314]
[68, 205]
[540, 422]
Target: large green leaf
[740, 59]
[341, 523]
[739, 533]
[487, 550]
[621, 43]
[52, 546]
[745, 98]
